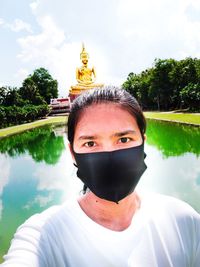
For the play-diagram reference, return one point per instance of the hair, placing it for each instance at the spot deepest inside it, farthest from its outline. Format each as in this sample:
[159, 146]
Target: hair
[106, 94]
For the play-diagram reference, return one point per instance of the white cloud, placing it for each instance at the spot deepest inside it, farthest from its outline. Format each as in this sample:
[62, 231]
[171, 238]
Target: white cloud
[159, 29]
[19, 25]
[22, 74]
[5, 172]
[50, 49]
[126, 36]
[1, 21]
[34, 47]
[40, 200]
[60, 177]
[34, 5]
[4, 178]
[175, 176]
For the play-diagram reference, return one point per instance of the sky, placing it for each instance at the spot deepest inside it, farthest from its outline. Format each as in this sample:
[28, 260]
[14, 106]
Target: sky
[121, 36]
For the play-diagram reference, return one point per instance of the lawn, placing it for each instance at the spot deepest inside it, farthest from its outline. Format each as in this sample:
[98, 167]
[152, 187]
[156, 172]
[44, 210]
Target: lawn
[189, 118]
[27, 126]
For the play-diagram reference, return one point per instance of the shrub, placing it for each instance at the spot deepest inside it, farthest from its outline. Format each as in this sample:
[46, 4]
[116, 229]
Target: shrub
[13, 115]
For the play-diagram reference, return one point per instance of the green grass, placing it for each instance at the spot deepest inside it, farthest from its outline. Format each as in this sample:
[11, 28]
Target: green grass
[27, 126]
[189, 118]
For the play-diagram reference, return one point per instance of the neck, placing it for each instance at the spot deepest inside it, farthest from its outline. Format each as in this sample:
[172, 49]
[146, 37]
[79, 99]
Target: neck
[116, 217]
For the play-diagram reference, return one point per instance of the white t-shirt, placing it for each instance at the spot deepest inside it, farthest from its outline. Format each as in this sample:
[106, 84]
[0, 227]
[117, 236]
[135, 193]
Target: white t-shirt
[164, 232]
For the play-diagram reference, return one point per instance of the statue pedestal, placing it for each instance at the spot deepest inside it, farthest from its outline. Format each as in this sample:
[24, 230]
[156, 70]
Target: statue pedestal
[76, 90]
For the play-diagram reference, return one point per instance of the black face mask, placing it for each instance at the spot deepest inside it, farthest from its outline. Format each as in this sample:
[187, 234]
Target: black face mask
[111, 175]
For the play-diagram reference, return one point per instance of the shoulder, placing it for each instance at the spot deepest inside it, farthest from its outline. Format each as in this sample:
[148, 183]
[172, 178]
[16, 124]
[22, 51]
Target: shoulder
[27, 239]
[41, 224]
[174, 223]
[49, 215]
[32, 236]
[167, 201]
[173, 216]
[170, 207]
[39, 219]
[33, 228]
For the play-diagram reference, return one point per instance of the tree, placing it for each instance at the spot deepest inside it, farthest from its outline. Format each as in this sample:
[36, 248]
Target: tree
[30, 92]
[12, 97]
[139, 85]
[161, 88]
[131, 84]
[47, 86]
[144, 89]
[190, 96]
[3, 93]
[184, 72]
[168, 85]
[30, 101]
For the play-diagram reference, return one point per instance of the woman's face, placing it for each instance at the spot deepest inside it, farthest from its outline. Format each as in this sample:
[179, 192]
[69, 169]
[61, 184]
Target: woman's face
[106, 127]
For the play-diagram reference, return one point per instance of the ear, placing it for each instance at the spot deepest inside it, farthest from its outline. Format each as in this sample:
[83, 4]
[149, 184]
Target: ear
[72, 152]
[145, 138]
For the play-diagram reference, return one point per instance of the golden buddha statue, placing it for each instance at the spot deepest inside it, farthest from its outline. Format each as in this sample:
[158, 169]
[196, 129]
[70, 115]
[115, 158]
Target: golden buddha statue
[85, 76]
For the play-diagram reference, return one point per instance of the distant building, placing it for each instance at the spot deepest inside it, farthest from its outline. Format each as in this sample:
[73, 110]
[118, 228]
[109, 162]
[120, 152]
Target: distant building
[60, 105]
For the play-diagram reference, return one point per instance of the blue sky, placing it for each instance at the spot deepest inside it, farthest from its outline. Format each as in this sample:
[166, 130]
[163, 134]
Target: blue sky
[121, 36]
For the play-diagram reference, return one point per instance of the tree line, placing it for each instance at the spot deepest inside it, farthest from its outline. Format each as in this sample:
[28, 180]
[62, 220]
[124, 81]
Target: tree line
[169, 85]
[30, 101]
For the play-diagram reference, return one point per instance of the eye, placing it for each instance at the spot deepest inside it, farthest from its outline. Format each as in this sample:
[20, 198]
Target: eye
[90, 144]
[124, 140]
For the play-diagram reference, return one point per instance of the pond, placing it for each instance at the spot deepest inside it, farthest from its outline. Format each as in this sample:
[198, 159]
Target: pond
[36, 171]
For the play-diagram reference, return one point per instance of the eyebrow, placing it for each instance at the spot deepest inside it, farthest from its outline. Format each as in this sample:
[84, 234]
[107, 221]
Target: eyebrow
[124, 133]
[119, 134]
[86, 137]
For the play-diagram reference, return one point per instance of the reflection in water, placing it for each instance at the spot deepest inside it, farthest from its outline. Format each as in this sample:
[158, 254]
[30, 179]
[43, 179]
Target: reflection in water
[36, 171]
[29, 185]
[173, 139]
[41, 143]
[175, 176]
[173, 161]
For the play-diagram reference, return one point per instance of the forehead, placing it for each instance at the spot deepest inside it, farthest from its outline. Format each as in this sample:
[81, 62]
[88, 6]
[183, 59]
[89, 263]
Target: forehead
[104, 118]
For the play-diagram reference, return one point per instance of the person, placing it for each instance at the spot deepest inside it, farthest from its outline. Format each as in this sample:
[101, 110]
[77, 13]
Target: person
[110, 225]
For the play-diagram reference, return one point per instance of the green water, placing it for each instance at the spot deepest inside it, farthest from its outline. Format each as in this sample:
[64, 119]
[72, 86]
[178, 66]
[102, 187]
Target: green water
[36, 171]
